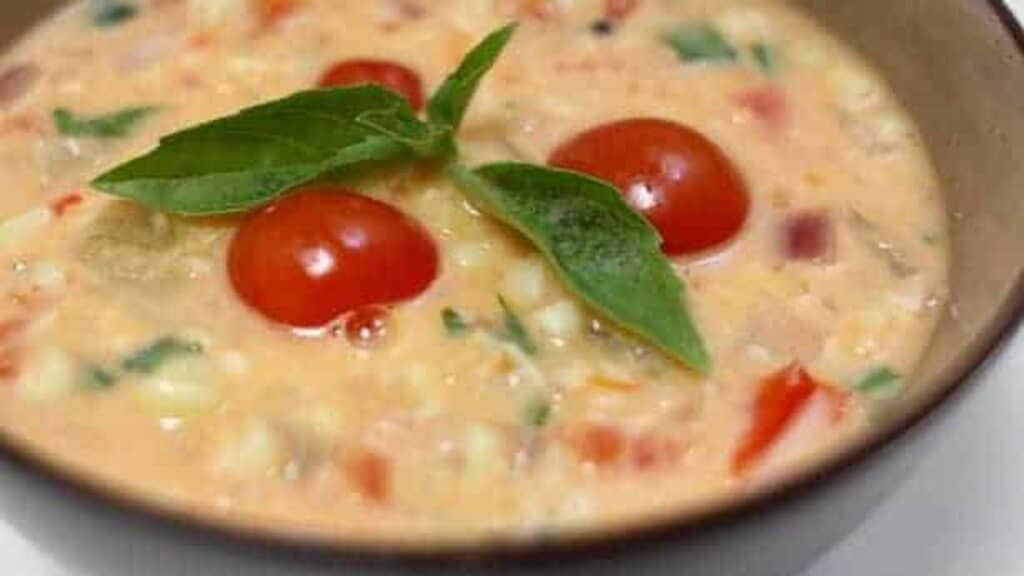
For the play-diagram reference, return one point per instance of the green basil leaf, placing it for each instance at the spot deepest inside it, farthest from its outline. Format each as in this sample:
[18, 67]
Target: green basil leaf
[515, 331]
[148, 359]
[448, 106]
[881, 381]
[454, 323]
[108, 13]
[765, 57]
[604, 251]
[244, 161]
[113, 125]
[701, 42]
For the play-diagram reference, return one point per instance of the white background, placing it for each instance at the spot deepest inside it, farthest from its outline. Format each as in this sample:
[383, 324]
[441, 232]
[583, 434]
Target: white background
[960, 514]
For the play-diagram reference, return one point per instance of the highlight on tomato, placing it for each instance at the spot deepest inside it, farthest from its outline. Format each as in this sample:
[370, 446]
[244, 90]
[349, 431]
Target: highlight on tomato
[391, 75]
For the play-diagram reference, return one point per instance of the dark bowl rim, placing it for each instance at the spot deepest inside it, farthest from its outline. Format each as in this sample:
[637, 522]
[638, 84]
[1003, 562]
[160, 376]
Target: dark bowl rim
[1008, 317]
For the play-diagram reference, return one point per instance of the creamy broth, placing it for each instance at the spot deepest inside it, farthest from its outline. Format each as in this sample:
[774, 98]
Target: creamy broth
[424, 432]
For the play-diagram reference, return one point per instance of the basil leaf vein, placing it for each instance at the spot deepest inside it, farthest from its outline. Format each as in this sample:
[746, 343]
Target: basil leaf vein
[606, 253]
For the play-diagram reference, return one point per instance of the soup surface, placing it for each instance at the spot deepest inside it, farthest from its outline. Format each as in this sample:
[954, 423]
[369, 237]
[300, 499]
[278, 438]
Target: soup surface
[480, 396]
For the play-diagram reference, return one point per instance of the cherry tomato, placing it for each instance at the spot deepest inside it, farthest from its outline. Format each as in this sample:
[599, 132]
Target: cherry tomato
[391, 75]
[323, 252]
[677, 178]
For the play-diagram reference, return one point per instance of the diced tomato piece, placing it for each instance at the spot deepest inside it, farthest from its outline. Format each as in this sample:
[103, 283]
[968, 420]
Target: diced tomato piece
[782, 398]
[371, 474]
[62, 204]
[809, 235]
[600, 444]
[272, 12]
[619, 10]
[648, 452]
[767, 104]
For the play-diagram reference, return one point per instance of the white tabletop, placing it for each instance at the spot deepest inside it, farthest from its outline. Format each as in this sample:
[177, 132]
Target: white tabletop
[961, 513]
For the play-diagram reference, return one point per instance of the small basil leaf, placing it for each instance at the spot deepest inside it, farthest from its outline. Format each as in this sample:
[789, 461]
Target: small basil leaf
[108, 13]
[765, 57]
[454, 323]
[449, 104]
[515, 331]
[243, 161]
[700, 42]
[113, 125]
[425, 140]
[148, 359]
[604, 251]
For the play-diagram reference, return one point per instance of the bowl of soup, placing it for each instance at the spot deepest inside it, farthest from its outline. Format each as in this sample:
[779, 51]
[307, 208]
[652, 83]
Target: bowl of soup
[301, 286]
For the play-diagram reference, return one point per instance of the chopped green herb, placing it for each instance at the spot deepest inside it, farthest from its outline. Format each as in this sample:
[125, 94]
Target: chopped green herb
[110, 13]
[701, 43]
[515, 331]
[96, 378]
[882, 381]
[114, 125]
[765, 56]
[147, 360]
[454, 323]
[538, 413]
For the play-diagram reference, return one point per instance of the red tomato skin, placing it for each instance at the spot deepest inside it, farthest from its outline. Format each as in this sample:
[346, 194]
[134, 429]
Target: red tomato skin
[322, 252]
[781, 399]
[391, 75]
[682, 182]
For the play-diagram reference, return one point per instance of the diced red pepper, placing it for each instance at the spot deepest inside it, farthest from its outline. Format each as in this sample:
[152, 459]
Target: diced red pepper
[62, 204]
[272, 12]
[768, 104]
[371, 474]
[782, 398]
[809, 235]
[600, 444]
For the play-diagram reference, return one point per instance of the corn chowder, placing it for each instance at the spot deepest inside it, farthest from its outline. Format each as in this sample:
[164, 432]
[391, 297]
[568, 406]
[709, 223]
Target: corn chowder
[339, 323]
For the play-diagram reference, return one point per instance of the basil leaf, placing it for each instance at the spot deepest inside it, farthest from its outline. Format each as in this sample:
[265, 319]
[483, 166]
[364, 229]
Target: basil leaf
[110, 13]
[448, 106]
[147, 360]
[454, 323]
[113, 125]
[701, 42]
[765, 57]
[880, 381]
[515, 331]
[604, 251]
[243, 161]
